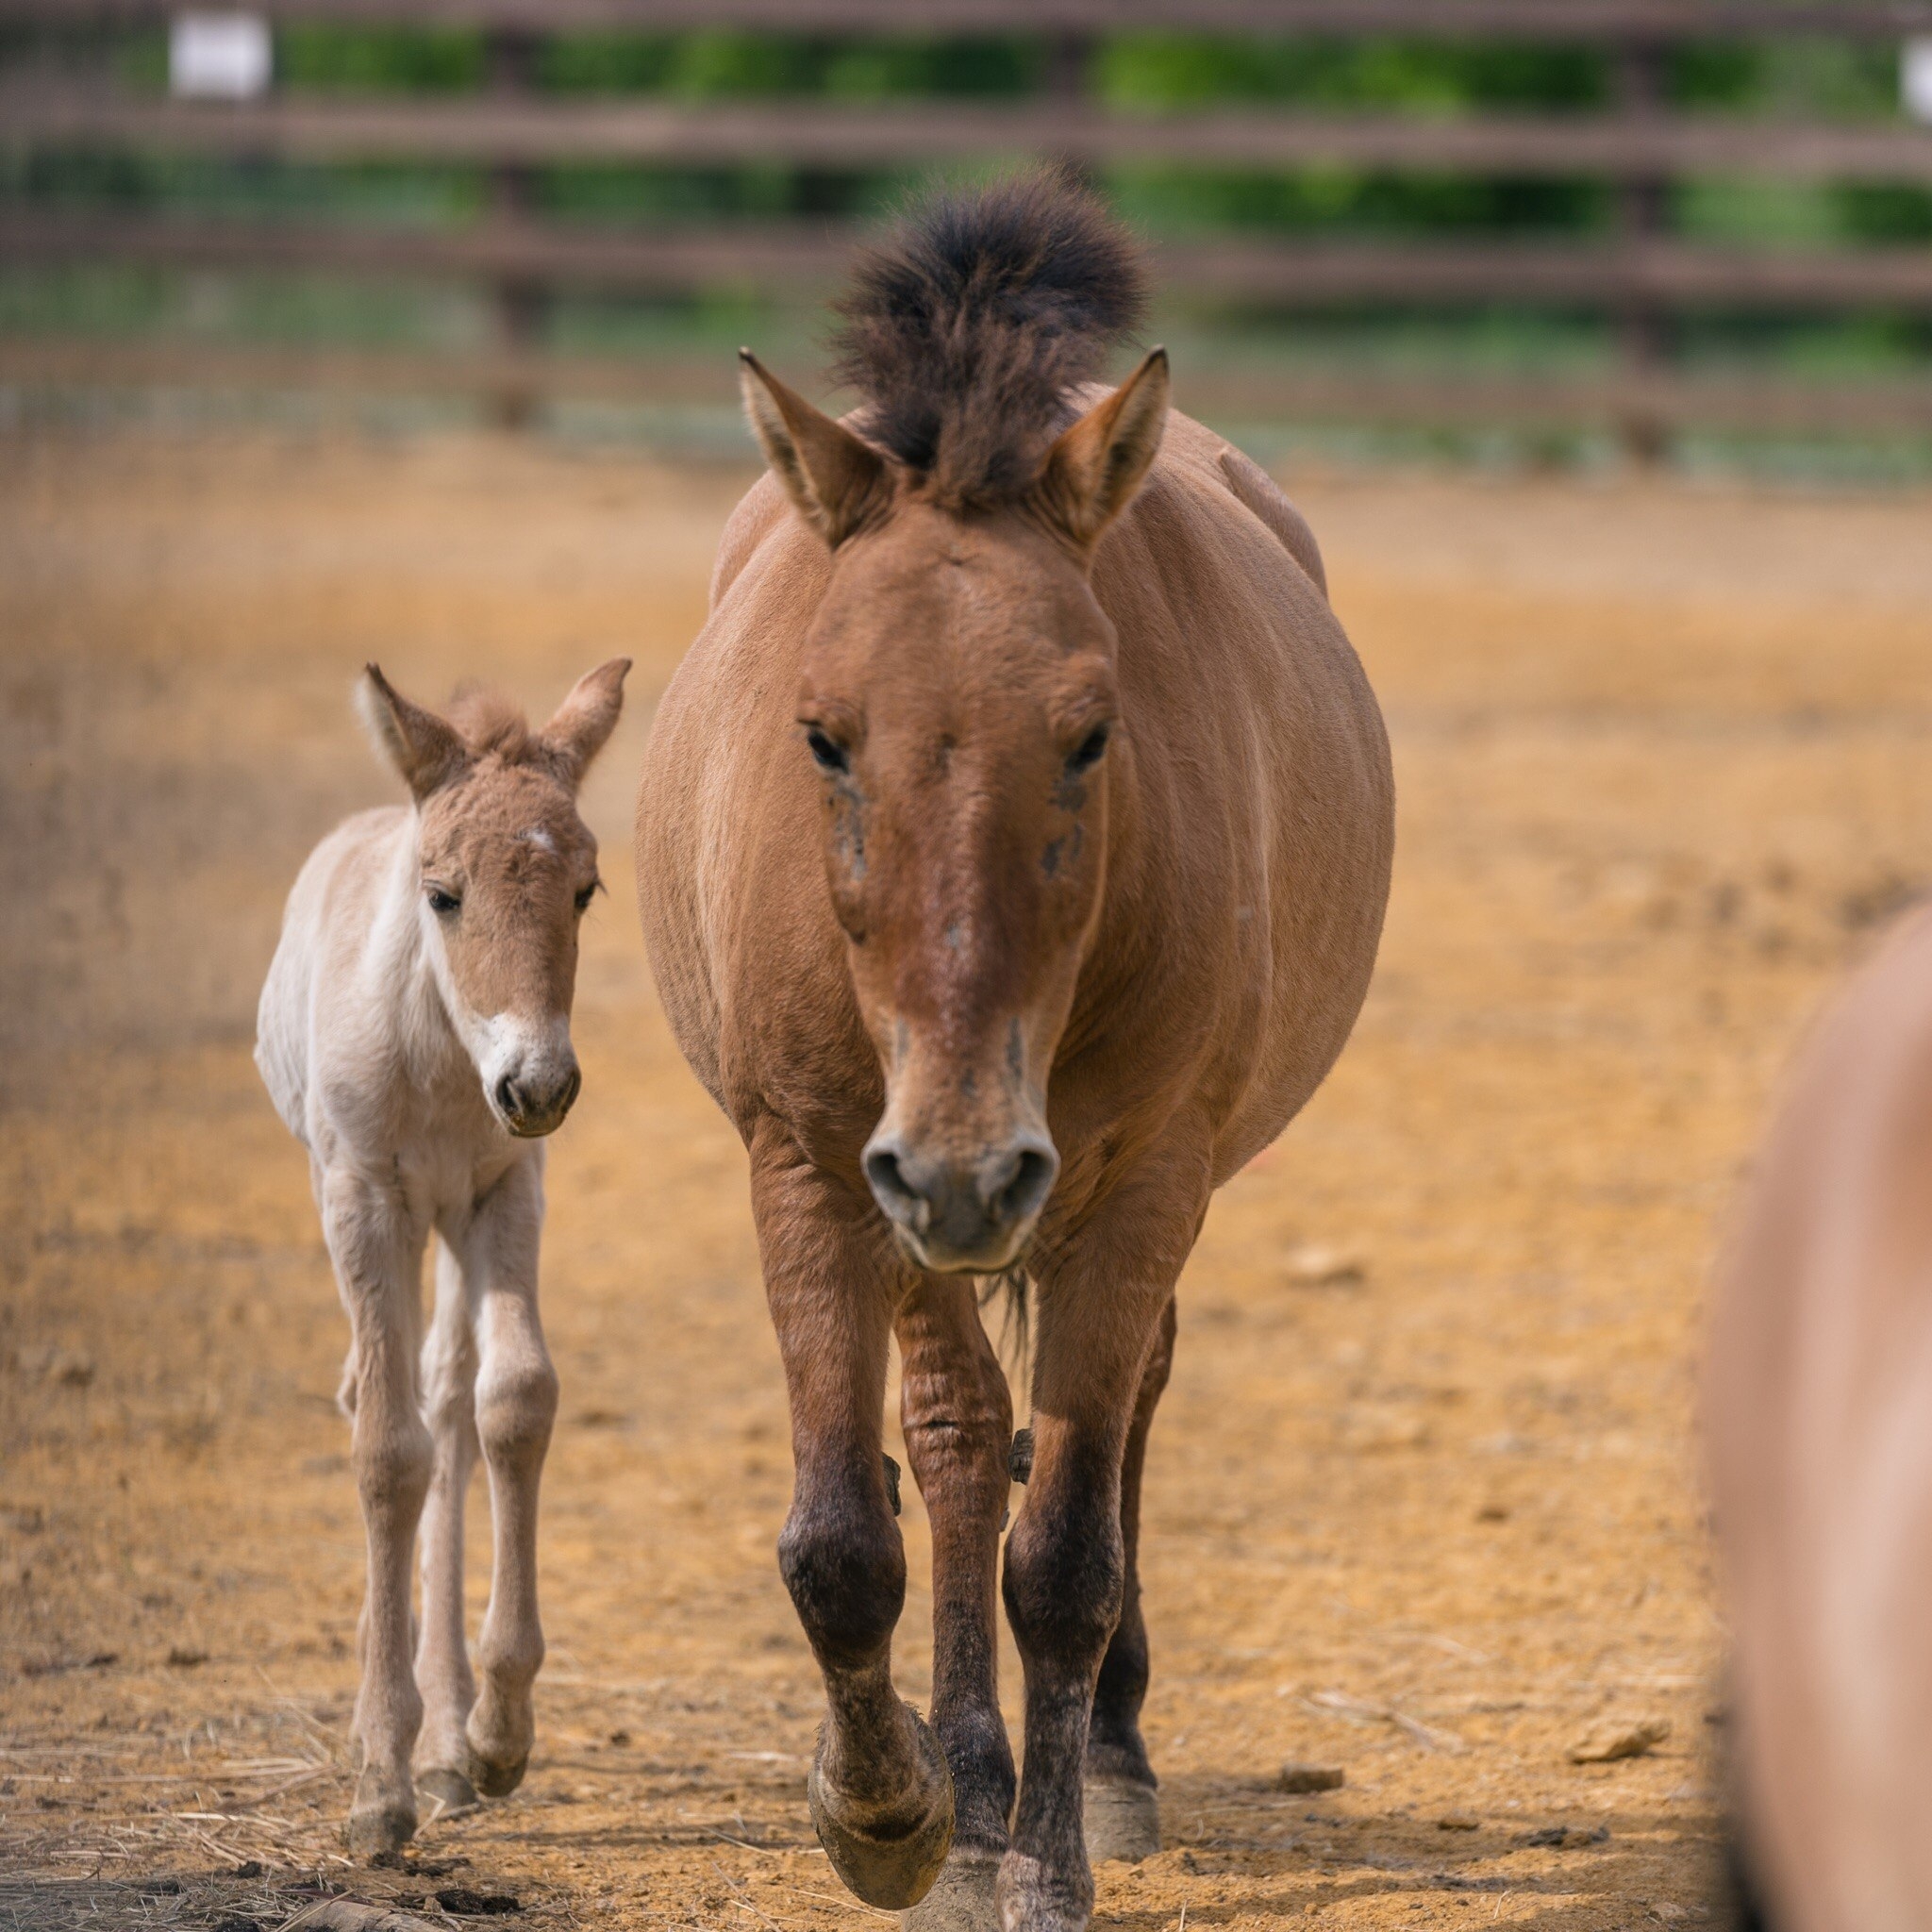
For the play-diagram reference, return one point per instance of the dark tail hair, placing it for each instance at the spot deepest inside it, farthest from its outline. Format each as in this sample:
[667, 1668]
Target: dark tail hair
[965, 327]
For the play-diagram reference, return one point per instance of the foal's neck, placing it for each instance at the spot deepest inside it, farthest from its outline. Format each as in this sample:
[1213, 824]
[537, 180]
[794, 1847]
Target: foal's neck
[404, 976]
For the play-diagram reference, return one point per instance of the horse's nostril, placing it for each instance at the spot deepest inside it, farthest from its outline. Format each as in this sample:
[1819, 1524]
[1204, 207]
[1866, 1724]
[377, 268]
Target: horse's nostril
[572, 1088]
[1031, 1176]
[507, 1098]
[884, 1179]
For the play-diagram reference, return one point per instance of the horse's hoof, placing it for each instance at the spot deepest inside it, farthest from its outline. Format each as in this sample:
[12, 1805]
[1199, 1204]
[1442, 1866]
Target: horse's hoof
[961, 1898]
[450, 1792]
[495, 1780]
[1031, 1899]
[381, 1824]
[1123, 1819]
[892, 1871]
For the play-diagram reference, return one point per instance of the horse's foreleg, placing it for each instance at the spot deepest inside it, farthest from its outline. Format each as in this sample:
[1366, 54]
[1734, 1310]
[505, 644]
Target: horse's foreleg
[442, 1657]
[881, 1795]
[1100, 1309]
[959, 1422]
[516, 1409]
[376, 1263]
[1123, 1819]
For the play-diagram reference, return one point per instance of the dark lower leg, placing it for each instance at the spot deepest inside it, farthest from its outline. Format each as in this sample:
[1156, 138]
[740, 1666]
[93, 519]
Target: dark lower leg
[881, 1794]
[959, 1422]
[1114, 1746]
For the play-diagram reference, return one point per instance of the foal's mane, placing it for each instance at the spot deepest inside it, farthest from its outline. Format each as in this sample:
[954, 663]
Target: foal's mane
[491, 720]
[966, 326]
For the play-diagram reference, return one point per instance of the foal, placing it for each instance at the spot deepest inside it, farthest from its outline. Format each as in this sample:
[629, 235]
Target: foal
[1012, 846]
[414, 1033]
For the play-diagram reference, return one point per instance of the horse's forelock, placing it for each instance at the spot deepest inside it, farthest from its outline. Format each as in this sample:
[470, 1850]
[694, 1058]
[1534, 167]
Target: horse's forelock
[965, 329]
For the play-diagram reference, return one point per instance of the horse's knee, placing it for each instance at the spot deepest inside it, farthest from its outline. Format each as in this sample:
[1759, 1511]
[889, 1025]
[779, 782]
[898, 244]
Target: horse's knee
[391, 1464]
[516, 1412]
[845, 1564]
[1065, 1581]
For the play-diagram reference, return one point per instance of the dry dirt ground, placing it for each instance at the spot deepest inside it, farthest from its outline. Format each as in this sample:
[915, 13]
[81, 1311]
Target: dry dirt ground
[1662, 763]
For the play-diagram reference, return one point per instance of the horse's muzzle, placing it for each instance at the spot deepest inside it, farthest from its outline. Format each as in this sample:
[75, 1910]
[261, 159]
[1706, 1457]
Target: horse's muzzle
[970, 1217]
[532, 1106]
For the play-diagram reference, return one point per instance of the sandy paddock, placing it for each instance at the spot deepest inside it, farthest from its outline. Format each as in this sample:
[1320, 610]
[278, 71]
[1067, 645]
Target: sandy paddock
[1662, 761]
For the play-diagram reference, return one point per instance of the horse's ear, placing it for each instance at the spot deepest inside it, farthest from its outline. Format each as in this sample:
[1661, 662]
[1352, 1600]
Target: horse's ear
[1094, 467]
[427, 750]
[836, 480]
[586, 719]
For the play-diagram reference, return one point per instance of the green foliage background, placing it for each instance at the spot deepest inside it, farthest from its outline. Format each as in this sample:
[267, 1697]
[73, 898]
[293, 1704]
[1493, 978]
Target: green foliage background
[1132, 72]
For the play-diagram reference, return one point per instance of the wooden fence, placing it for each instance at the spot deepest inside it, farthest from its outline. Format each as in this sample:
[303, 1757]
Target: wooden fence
[1639, 273]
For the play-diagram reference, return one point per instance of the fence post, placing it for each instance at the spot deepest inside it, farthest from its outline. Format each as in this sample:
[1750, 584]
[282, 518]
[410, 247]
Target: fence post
[520, 304]
[1643, 214]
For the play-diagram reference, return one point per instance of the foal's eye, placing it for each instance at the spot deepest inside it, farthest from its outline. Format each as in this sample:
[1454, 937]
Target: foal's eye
[1087, 755]
[443, 902]
[831, 756]
[588, 894]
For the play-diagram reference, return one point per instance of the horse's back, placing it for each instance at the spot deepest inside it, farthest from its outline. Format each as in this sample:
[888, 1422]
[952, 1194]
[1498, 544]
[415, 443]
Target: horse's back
[1215, 582]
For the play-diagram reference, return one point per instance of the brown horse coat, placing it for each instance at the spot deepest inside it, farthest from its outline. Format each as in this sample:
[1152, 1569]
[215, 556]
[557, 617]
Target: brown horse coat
[1818, 1411]
[1012, 851]
[1247, 864]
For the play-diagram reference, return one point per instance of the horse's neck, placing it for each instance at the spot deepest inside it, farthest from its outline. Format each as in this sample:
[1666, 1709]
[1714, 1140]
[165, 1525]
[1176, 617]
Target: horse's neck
[401, 975]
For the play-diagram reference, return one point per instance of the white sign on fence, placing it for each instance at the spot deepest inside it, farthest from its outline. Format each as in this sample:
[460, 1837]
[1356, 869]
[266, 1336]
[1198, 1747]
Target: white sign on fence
[1915, 78]
[219, 56]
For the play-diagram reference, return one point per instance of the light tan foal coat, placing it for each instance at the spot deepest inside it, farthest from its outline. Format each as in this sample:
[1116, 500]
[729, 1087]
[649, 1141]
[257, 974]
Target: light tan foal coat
[414, 1035]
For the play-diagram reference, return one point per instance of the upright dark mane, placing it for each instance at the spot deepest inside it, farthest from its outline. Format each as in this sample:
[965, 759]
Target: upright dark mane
[965, 327]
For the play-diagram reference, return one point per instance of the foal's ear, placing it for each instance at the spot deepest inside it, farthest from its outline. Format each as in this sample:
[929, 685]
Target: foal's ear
[426, 749]
[585, 720]
[834, 478]
[1094, 467]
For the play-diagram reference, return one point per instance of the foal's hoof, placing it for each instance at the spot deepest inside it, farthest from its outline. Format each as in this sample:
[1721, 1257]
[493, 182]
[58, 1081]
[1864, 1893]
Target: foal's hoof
[896, 1868]
[1123, 1819]
[961, 1898]
[379, 1821]
[1032, 1899]
[450, 1792]
[495, 1780]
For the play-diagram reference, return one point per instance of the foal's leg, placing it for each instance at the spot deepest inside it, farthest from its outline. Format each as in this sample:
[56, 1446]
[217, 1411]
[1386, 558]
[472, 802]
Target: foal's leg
[959, 1423]
[516, 1407]
[1101, 1307]
[1123, 1818]
[442, 1656]
[377, 1262]
[881, 1795]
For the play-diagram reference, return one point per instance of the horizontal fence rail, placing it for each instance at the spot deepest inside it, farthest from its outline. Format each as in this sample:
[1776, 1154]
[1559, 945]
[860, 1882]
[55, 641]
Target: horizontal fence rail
[1297, 276]
[1636, 272]
[1547, 20]
[494, 127]
[1393, 399]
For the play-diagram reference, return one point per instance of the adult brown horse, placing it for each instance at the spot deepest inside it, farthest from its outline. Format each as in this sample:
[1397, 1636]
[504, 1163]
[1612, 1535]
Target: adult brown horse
[1012, 846]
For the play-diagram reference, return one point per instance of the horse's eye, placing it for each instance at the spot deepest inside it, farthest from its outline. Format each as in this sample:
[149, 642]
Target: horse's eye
[1090, 749]
[443, 902]
[588, 894]
[830, 753]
